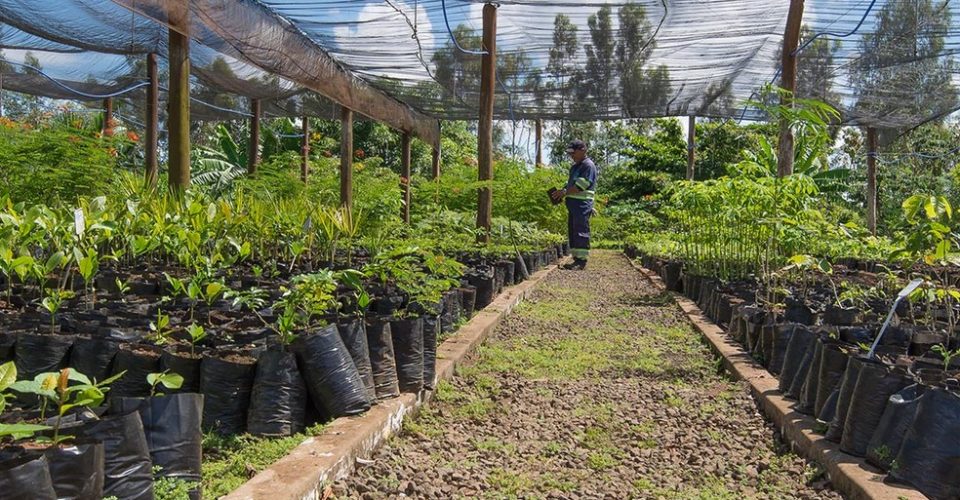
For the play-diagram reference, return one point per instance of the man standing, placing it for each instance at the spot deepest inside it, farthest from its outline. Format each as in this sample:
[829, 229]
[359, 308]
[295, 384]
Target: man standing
[579, 193]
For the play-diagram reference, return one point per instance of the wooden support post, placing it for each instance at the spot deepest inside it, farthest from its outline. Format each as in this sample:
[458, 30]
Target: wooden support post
[405, 176]
[435, 164]
[788, 80]
[107, 129]
[872, 180]
[305, 150]
[253, 150]
[178, 106]
[153, 123]
[539, 141]
[488, 69]
[346, 158]
[691, 147]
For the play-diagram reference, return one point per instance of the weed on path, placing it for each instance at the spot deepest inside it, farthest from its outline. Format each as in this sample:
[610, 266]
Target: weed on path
[596, 387]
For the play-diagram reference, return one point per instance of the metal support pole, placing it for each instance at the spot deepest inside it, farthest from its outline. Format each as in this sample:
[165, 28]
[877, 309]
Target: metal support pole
[788, 80]
[346, 158]
[691, 147]
[253, 151]
[405, 176]
[872, 180]
[178, 112]
[153, 123]
[488, 69]
[305, 150]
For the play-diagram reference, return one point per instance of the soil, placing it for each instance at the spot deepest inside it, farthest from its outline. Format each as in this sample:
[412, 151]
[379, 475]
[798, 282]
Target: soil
[142, 350]
[595, 387]
[236, 358]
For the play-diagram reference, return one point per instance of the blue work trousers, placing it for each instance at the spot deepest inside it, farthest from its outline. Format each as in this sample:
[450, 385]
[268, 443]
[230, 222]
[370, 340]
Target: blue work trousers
[578, 226]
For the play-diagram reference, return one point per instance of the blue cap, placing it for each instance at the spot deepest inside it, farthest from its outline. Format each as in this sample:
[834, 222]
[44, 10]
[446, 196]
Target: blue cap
[576, 145]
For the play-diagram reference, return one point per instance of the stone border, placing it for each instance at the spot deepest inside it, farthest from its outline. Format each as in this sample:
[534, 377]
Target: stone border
[305, 472]
[849, 475]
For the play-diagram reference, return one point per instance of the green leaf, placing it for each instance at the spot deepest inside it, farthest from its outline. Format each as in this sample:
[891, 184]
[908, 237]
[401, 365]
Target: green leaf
[214, 288]
[167, 379]
[76, 376]
[50, 304]
[21, 431]
[8, 375]
[912, 206]
[112, 379]
[943, 249]
[54, 261]
[825, 266]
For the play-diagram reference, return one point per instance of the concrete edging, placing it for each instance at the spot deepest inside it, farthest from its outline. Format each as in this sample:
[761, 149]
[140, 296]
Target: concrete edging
[850, 475]
[307, 469]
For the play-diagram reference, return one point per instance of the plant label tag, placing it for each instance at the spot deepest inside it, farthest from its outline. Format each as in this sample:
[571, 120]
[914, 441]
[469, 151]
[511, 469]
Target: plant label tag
[79, 224]
[907, 290]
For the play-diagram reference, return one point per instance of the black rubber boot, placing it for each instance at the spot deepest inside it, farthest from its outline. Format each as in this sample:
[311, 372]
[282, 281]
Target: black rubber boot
[577, 264]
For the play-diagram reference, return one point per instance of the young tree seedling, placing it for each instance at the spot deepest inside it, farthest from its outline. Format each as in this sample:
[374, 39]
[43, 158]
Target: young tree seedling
[166, 378]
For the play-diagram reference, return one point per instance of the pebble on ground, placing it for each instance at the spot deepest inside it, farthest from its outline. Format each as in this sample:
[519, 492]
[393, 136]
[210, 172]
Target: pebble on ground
[595, 387]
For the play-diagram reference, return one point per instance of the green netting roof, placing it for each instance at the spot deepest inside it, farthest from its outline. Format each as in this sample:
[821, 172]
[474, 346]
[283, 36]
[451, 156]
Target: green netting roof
[884, 63]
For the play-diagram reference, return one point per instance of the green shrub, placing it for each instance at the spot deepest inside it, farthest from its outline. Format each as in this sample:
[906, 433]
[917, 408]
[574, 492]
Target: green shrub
[55, 162]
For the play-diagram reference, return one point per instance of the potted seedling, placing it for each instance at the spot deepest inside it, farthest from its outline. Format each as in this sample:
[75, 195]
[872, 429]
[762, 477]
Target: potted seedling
[26, 475]
[946, 354]
[185, 361]
[189, 288]
[309, 302]
[160, 330]
[211, 292]
[76, 464]
[66, 390]
[352, 328]
[197, 333]
[171, 424]
[53, 302]
[88, 264]
[8, 376]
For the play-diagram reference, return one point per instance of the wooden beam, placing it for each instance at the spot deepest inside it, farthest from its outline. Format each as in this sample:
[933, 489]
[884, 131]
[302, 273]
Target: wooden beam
[305, 150]
[405, 176]
[253, 149]
[788, 80]
[435, 164]
[178, 108]
[346, 158]
[488, 77]
[151, 148]
[691, 147]
[872, 205]
[539, 141]
[276, 46]
[107, 129]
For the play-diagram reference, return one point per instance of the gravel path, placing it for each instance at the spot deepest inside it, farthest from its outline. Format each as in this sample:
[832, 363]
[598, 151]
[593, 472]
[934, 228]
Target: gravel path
[596, 387]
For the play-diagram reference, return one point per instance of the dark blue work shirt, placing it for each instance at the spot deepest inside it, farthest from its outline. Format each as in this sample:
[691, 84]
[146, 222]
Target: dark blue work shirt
[583, 175]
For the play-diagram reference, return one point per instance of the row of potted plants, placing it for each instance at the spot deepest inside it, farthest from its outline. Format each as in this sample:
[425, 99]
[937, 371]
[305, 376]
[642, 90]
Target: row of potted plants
[892, 398]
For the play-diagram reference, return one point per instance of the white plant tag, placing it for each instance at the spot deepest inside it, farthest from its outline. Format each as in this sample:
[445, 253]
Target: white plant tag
[79, 222]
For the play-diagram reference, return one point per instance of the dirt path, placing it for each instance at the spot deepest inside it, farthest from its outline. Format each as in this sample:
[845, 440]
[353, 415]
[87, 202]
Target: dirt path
[596, 387]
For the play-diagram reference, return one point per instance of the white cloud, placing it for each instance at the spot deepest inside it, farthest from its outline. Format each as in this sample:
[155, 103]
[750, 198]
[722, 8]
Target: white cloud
[386, 31]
